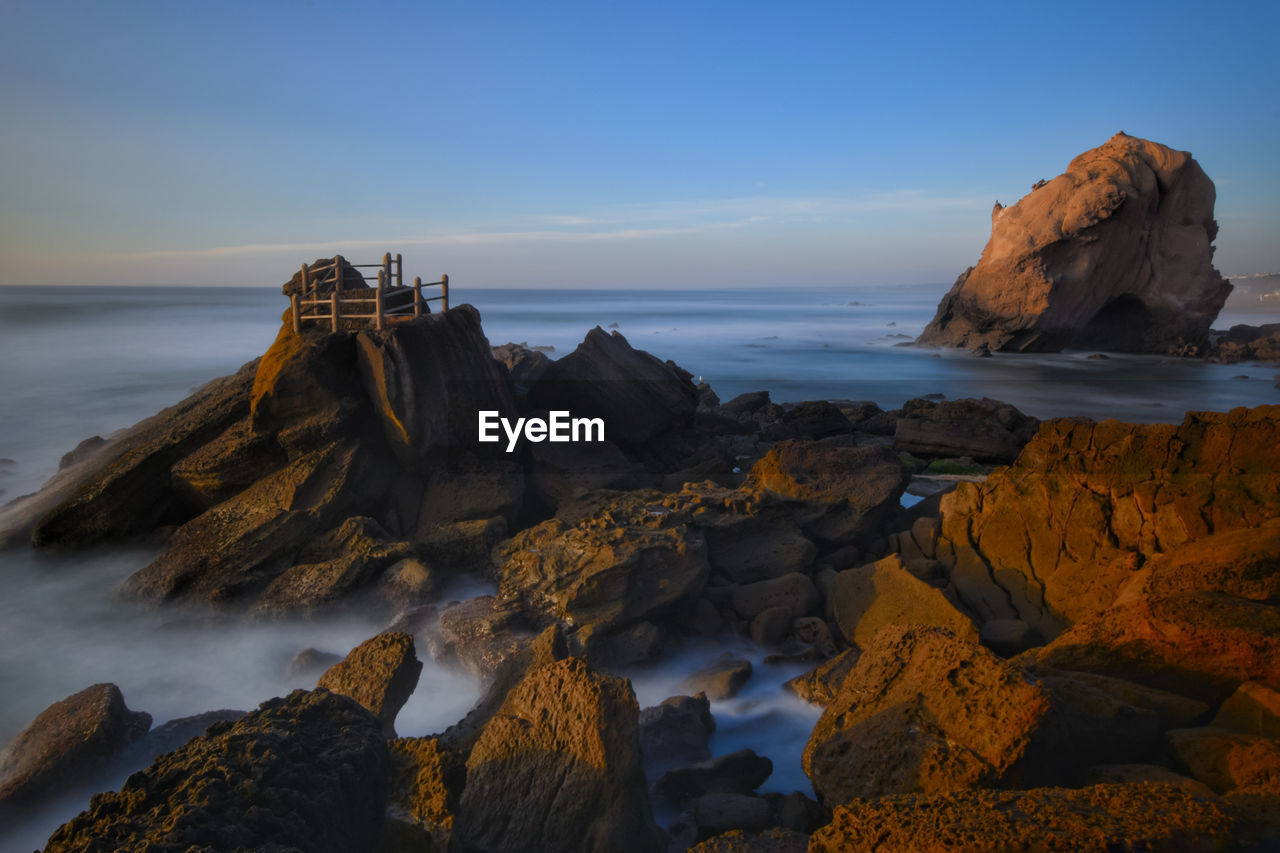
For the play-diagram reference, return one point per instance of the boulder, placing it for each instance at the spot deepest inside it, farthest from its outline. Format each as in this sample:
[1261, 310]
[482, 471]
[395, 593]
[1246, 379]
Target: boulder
[524, 364]
[461, 547]
[1054, 537]
[1253, 709]
[674, 733]
[753, 547]
[1203, 645]
[794, 594]
[1115, 253]
[638, 396]
[838, 494]
[482, 633]
[814, 419]
[576, 727]
[924, 711]
[70, 742]
[1227, 760]
[717, 813]
[773, 840]
[984, 430]
[175, 733]
[738, 772]
[380, 674]
[631, 562]
[306, 772]
[865, 599]
[1098, 818]
[722, 680]
[1249, 343]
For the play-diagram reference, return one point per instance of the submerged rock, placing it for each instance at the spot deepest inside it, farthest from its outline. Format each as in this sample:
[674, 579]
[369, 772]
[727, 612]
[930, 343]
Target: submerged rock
[307, 772]
[1115, 253]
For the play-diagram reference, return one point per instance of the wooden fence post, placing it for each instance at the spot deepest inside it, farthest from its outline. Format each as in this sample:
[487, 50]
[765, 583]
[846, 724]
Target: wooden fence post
[444, 292]
[297, 313]
[377, 304]
[337, 272]
[333, 309]
[417, 296]
[399, 270]
[386, 270]
[306, 279]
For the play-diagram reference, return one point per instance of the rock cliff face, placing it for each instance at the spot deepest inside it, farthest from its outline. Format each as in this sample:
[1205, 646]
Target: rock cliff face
[1115, 253]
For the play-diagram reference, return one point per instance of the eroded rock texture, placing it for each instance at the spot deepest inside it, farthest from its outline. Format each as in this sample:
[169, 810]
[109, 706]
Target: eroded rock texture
[1115, 253]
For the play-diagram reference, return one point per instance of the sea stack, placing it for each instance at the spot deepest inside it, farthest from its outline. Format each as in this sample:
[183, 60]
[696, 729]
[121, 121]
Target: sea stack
[1115, 253]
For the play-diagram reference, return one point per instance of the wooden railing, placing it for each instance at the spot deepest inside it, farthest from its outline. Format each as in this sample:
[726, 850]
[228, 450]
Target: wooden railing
[389, 302]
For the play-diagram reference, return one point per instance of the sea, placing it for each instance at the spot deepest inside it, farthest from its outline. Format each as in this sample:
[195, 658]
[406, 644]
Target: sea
[77, 362]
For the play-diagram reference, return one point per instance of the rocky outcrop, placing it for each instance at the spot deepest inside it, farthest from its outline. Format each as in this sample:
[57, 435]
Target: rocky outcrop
[638, 396]
[1099, 818]
[1054, 537]
[923, 711]
[674, 733]
[866, 599]
[69, 742]
[1249, 343]
[426, 781]
[1115, 253]
[984, 430]
[321, 278]
[307, 772]
[576, 727]
[837, 494]
[380, 674]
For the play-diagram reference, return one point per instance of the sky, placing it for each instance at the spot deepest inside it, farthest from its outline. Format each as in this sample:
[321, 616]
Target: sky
[600, 144]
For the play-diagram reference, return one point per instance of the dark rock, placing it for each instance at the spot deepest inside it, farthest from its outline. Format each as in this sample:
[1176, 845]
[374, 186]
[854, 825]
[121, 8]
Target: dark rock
[380, 674]
[638, 396]
[81, 452]
[524, 365]
[721, 680]
[322, 280]
[310, 661]
[483, 632]
[69, 742]
[409, 584]
[1228, 760]
[461, 547]
[794, 593]
[773, 840]
[820, 685]
[1249, 343]
[738, 772]
[568, 724]
[717, 813]
[749, 548]
[307, 772]
[426, 782]
[175, 733]
[1114, 254]
[1253, 709]
[675, 733]
[985, 430]
[814, 420]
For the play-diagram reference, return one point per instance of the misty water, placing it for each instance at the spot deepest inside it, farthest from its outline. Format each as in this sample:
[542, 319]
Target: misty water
[78, 362]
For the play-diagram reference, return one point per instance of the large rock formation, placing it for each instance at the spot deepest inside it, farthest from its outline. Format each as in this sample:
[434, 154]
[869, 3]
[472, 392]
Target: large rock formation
[1115, 253]
[307, 772]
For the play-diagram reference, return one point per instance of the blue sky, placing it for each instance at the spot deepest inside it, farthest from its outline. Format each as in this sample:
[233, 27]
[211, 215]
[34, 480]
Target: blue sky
[599, 143]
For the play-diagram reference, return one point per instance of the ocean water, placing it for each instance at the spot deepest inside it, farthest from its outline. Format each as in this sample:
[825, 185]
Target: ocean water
[82, 361]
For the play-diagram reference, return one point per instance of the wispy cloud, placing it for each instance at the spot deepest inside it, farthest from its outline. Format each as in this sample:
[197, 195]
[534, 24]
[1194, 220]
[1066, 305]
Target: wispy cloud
[625, 222]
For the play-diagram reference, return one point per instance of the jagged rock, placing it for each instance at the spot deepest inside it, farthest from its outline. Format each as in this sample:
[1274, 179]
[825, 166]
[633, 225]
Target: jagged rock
[1113, 254]
[524, 365]
[333, 566]
[408, 584]
[380, 674]
[839, 494]
[1127, 774]
[638, 396]
[738, 772]
[1202, 645]
[631, 562]
[750, 548]
[308, 387]
[1054, 537]
[984, 430]
[227, 465]
[1099, 818]
[68, 743]
[461, 547]
[311, 660]
[820, 685]
[923, 711]
[1244, 563]
[483, 632]
[814, 420]
[865, 599]
[234, 549]
[675, 733]
[1253, 709]
[427, 380]
[307, 772]
[175, 733]
[1227, 760]
[125, 488]
[579, 728]
[721, 680]
[426, 781]
[559, 473]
